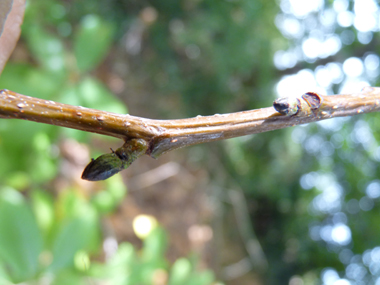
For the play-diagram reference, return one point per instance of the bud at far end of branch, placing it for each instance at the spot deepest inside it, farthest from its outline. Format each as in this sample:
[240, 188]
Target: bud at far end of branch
[287, 106]
[302, 106]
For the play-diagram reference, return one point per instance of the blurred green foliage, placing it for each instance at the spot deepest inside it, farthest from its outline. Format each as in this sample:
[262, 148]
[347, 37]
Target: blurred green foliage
[42, 240]
[54, 237]
[58, 74]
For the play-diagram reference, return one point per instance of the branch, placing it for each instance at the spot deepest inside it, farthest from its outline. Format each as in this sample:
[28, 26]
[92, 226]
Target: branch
[10, 27]
[166, 135]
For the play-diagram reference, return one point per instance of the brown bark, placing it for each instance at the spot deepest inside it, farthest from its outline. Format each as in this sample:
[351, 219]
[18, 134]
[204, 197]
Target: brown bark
[166, 135]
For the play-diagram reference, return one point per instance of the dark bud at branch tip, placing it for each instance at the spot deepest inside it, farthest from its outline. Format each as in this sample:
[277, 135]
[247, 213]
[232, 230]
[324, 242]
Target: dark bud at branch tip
[103, 167]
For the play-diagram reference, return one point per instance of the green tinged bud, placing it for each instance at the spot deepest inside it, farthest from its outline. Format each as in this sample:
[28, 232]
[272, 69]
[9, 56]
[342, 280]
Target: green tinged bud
[288, 106]
[109, 164]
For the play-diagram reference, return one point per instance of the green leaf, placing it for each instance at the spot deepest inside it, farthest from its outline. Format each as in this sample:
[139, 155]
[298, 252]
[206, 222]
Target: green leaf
[43, 208]
[48, 49]
[4, 276]
[95, 95]
[155, 245]
[18, 180]
[43, 167]
[107, 200]
[104, 202]
[180, 272]
[123, 267]
[69, 95]
[18, 153]
[124, 256]
[78, 230]
[117, 188]
[20, 238]
[72, 238]
[202, 278]
[69, 276]
[40, 83]
[92, 41]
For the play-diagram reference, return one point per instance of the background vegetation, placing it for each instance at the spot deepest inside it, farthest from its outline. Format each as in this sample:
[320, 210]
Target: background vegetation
[296, 206]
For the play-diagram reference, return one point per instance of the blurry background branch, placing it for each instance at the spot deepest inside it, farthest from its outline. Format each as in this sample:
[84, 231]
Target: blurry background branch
[11, 16]
[166, 135]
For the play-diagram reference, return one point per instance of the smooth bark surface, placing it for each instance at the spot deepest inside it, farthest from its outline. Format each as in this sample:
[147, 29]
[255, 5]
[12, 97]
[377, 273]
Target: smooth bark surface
[166, 135]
